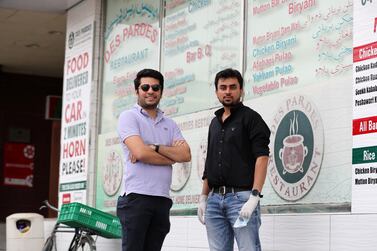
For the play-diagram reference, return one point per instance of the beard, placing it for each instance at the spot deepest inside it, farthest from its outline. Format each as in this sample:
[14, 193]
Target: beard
[230, 103]
[148, 105]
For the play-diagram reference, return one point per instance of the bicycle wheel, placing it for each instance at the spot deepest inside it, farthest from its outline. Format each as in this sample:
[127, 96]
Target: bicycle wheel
[49, 244]
[85, 243]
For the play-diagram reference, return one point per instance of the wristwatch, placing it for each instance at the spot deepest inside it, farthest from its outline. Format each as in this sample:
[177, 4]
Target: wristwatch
[255, 192]
[156, 147]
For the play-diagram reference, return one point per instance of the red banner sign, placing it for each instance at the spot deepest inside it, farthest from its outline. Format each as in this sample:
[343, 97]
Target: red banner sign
[364, 125]
[18, 164]
[365, 52]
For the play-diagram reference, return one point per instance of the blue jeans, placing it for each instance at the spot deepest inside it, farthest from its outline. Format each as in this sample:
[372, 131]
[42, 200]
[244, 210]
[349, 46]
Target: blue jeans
[221, 214]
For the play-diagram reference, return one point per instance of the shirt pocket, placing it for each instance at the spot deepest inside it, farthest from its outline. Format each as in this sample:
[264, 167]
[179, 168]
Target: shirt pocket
[234, 133]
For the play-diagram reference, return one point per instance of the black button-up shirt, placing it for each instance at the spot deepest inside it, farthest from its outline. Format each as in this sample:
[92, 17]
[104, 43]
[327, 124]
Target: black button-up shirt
[233, 147]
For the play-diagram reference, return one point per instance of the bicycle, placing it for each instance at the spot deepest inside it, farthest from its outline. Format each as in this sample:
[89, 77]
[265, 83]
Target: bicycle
[82, 238]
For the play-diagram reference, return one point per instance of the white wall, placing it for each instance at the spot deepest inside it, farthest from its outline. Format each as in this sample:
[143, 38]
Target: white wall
[309, 232]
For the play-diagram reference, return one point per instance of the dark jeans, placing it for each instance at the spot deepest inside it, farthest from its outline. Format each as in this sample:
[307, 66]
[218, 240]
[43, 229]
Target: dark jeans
[145, 221]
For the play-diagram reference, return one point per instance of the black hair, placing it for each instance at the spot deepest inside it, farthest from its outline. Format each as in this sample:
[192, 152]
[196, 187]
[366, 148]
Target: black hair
[229, 73]
[149, 73]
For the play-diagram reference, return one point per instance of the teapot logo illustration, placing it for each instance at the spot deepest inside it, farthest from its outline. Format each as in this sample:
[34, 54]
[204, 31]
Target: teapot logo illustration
[297, 143]
[294, 152]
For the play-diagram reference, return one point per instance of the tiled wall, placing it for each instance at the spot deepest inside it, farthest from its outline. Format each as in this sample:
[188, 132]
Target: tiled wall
[318, 232]
[335, 232]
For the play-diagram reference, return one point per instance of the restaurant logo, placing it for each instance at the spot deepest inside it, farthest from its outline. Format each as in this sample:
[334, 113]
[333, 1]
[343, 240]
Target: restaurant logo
[112, 173]
[201, 158]
[297, 148]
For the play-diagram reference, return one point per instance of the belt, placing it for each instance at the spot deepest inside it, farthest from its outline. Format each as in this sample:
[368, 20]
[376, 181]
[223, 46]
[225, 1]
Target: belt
[224, 189]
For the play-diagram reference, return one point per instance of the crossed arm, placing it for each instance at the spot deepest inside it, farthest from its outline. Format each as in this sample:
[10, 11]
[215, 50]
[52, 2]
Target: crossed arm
[167, 155]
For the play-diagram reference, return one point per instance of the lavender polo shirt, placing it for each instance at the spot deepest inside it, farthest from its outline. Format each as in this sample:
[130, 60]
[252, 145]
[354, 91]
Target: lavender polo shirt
[140, 177]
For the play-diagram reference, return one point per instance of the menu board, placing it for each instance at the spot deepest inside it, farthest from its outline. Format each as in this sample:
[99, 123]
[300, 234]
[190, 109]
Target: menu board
[364, 153]
[298, 59]
[292, 44]
[132, 42]
[298, 76]
[200, 38]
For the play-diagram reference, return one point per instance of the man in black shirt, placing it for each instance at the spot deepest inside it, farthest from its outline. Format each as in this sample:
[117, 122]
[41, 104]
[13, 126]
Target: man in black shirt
[235, 169]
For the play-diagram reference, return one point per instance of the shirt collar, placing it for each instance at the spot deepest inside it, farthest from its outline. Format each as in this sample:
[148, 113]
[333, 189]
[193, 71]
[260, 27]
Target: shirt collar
[233, 109]
[160, 113]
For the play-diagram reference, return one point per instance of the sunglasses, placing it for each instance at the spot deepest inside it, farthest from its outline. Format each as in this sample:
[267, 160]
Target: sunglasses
[155, 88]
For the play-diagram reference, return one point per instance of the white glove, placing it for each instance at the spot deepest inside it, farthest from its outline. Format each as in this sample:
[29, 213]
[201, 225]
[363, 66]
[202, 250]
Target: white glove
[249, 207]
[202, 207]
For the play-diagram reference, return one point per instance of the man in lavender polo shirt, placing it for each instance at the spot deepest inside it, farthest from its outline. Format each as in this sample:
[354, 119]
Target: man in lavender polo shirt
[151, 144]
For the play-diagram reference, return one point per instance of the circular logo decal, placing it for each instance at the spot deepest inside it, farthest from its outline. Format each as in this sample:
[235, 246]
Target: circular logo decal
[201, 158]
[297, 148]
[112, 173]
[29, 152]
[181, 174]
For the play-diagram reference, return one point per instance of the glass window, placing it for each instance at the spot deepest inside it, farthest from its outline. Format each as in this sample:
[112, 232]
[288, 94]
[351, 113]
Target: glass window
[200, 38]
[132, 42]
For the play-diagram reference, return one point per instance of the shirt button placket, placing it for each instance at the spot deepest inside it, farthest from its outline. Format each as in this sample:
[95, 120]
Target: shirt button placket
[221, 147]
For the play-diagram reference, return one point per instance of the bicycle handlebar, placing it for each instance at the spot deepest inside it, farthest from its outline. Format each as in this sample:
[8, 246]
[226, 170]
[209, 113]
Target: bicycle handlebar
[47, 204]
